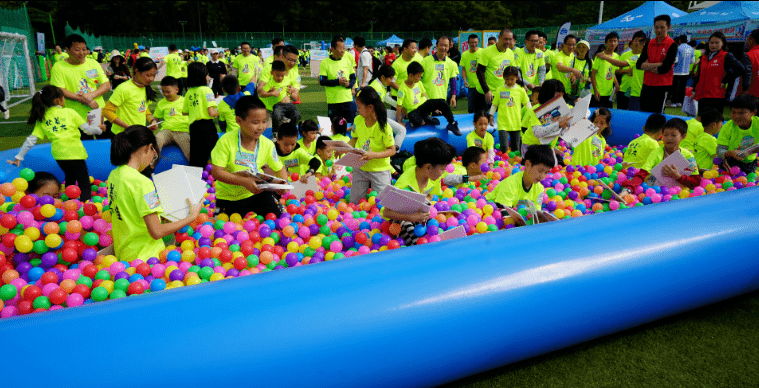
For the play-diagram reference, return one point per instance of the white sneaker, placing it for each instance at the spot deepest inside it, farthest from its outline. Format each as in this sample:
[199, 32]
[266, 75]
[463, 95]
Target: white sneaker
[7, 114]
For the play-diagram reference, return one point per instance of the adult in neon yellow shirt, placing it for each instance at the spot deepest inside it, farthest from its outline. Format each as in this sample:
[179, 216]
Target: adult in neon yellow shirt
[400, 65]
[561, 64]
[531, 60]
[493, 61]
[337, 76]
[128, 105]
[135, 208]
[246, 66]
[276, 42]
[82, 79]
[59, 55]
[632, 78]
[469, 59]
[439, 71]
[173, 63]
[241, 150]
[548, 53]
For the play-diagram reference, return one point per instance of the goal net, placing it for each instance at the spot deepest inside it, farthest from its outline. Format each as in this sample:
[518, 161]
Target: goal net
[16, 71]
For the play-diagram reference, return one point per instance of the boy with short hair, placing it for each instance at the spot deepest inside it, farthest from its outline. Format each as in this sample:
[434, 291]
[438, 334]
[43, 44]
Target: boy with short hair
[602, 76]
[695, 128]
[231, 88]
[706, 142]
[525, 185]
[740, 133]
[470, 170]
[176, 127]
[638, 150]
[412, 98]
[295, 158]
[273, 93]
[432, 156]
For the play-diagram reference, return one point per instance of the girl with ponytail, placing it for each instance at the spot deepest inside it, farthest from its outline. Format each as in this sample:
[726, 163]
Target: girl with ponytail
[52, 120]
[135, 209]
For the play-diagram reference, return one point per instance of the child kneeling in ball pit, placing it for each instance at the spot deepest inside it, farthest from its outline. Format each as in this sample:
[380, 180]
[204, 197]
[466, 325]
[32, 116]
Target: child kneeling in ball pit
[432, 156]
[525, 185]
[137, 228]
[245, 149]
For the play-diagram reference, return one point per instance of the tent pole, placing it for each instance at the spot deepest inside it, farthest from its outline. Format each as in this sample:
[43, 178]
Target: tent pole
[601, 13]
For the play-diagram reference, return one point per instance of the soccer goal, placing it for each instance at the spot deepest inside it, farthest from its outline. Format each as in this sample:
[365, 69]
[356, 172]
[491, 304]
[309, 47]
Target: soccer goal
[16, 72]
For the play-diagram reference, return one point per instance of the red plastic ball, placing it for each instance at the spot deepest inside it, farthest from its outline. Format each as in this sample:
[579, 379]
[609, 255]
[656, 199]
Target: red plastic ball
[135, 288]
[393, 244]
[422, 240]
[70, 215]
[240, 263]
[73, 192]
[254, 236]
[96, 283]
[82, 290]
[24, 307]
[278, 251]
[61, 268]
[27, 201]
[69, 255]
[37, 214]
[91, 270]
[271, 216]
[143, 269]
[58, 296]
[204, 253]
[225, 256]
[90, 209]
[32, 292]
[8, 221]
[49, 277]
[247, 247]
[361, 238]
[8, 240]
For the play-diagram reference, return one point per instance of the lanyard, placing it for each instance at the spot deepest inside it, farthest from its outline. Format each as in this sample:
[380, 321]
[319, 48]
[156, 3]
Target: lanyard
[252, 165]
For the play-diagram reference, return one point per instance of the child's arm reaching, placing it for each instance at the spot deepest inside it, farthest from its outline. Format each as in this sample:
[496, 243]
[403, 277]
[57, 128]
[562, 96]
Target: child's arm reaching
[419, 217]
[30, 141]
[158, 230]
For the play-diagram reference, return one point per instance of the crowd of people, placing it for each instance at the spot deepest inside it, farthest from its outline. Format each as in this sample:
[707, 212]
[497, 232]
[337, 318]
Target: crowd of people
[370, 96]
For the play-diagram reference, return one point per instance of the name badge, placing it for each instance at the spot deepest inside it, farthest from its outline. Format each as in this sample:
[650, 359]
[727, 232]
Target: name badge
[245, 159]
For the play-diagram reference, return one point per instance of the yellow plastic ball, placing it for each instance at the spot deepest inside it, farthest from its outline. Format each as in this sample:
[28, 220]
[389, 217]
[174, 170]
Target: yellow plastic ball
[319, 195]
[47, 211]
[222, 217]
[131, 270]
[268, 241]
[487, 209]
[187, 245]
[559, 213]
[193, 280]
[169, 269]
[177, 284]
[53, 241]
[219, 241]
[293, 247]
[236, 255]
[21, 184]
[188, 256]
[216, 276]
[332, 214]
[16, 198]
[481, 227]
[235, 218]
[23, 243]
[32, 233]
[315, 242]
[108, 285]
[329, 256]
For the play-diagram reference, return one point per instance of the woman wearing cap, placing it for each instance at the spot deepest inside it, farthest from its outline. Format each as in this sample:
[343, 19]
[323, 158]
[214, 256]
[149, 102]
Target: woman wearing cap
[583, 63]
[117, 70]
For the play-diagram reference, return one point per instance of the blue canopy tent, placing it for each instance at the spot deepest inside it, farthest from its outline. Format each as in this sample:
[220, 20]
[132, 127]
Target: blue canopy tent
[391, 41]
[641, 18]
[348, 43]
[735, 19]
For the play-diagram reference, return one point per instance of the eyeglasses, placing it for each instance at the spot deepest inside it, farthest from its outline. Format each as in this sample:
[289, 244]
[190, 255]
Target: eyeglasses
[155, 156]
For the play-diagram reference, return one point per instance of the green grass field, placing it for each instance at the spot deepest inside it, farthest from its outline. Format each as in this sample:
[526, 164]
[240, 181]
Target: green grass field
[715, 346]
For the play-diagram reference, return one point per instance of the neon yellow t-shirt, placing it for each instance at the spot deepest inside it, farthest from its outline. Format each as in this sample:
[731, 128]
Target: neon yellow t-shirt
[344, 138]
[695, 128]
[495, 63]
[280, 87]
[247, 68]
[605, 75]
[85, 78]
[469, 64]
[173, 65]
[564, 60]
[436, 76]
[131, 104]
[197, 100]
[639, 149]
[227, 115]
[582, 66]
[474, 140]
[379, 88]
[171, 113]
[409, 180]
[590, 151]
[549, 54]
[144, 55]
[510, 191]
[183, 68]
[529, 120]
[60, 57]
[736, 138]
[310, 149]
[227, 155]
[401, 71]
[510, 102]
[657, 156]
[530, 63]
[373, 139]
[706, 149]
[61, 126]
[132, 196]
[296, 161]
[411, 98]
[633, 82]
[333, 70]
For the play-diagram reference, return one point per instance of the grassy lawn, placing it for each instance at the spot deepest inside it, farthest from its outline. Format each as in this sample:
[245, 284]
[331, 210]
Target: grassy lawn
[714, 346]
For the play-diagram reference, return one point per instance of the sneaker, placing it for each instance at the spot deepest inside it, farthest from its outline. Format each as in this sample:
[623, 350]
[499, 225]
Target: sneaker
[454, 128]
[7, 114]
[432, 121]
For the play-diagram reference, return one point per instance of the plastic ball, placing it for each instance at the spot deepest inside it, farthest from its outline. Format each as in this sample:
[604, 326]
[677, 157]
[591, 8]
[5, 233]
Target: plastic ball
[73, 192]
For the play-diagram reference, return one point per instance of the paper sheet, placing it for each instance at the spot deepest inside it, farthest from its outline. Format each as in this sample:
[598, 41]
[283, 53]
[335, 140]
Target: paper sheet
[95, 117]
[579, 132]
[299, 189]
[174, 187]
[351, 160]
[451, 234]
[402, 202]
[341, 146]
[556, 107]
[325, 124]
[678, 160]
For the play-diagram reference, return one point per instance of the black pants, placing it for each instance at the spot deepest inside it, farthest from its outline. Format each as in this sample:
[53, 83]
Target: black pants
[76, 173]
[511, 138]
[342, 109]
[262, 204]
[652, 98]
[417, 117]
[479, 102]
[604, 102]
[678, 89]
[203, 138]
[716, 103]
[623, 102]
[747, 168]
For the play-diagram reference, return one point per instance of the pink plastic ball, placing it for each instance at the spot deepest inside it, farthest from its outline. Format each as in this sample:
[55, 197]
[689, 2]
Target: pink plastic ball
[450, 168]
[74, 299]
[158, 271]
[229, 227]
[87, 222]
[613, 205]
[105, 240]
[48, 288]
[336, 246]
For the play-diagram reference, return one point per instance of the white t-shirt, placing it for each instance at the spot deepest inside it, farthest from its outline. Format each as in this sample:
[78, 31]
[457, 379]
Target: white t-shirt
[364, 60]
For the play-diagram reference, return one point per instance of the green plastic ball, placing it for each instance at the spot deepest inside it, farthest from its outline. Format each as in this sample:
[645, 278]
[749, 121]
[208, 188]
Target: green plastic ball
[41, 302]
[118, 294]
[91, 239]
[8, 292]
[103, 275]
[26, 174]
[121, 284]
[252, 261]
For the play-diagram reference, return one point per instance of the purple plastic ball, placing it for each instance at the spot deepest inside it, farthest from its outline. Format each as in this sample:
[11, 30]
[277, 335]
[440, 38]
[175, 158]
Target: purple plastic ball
[49, 259]
[177, 274]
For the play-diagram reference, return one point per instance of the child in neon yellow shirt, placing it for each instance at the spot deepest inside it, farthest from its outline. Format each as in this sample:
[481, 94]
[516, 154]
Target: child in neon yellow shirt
[740, 133]
[706, 142]
[135, 208]
[175, 128]
[128, 105]
[638, 150]
[61, 125]
[509, 100]
[591, 150]
[200, 104]
[309, 132]
[480, 136]
[296, 159]
[432, 156]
